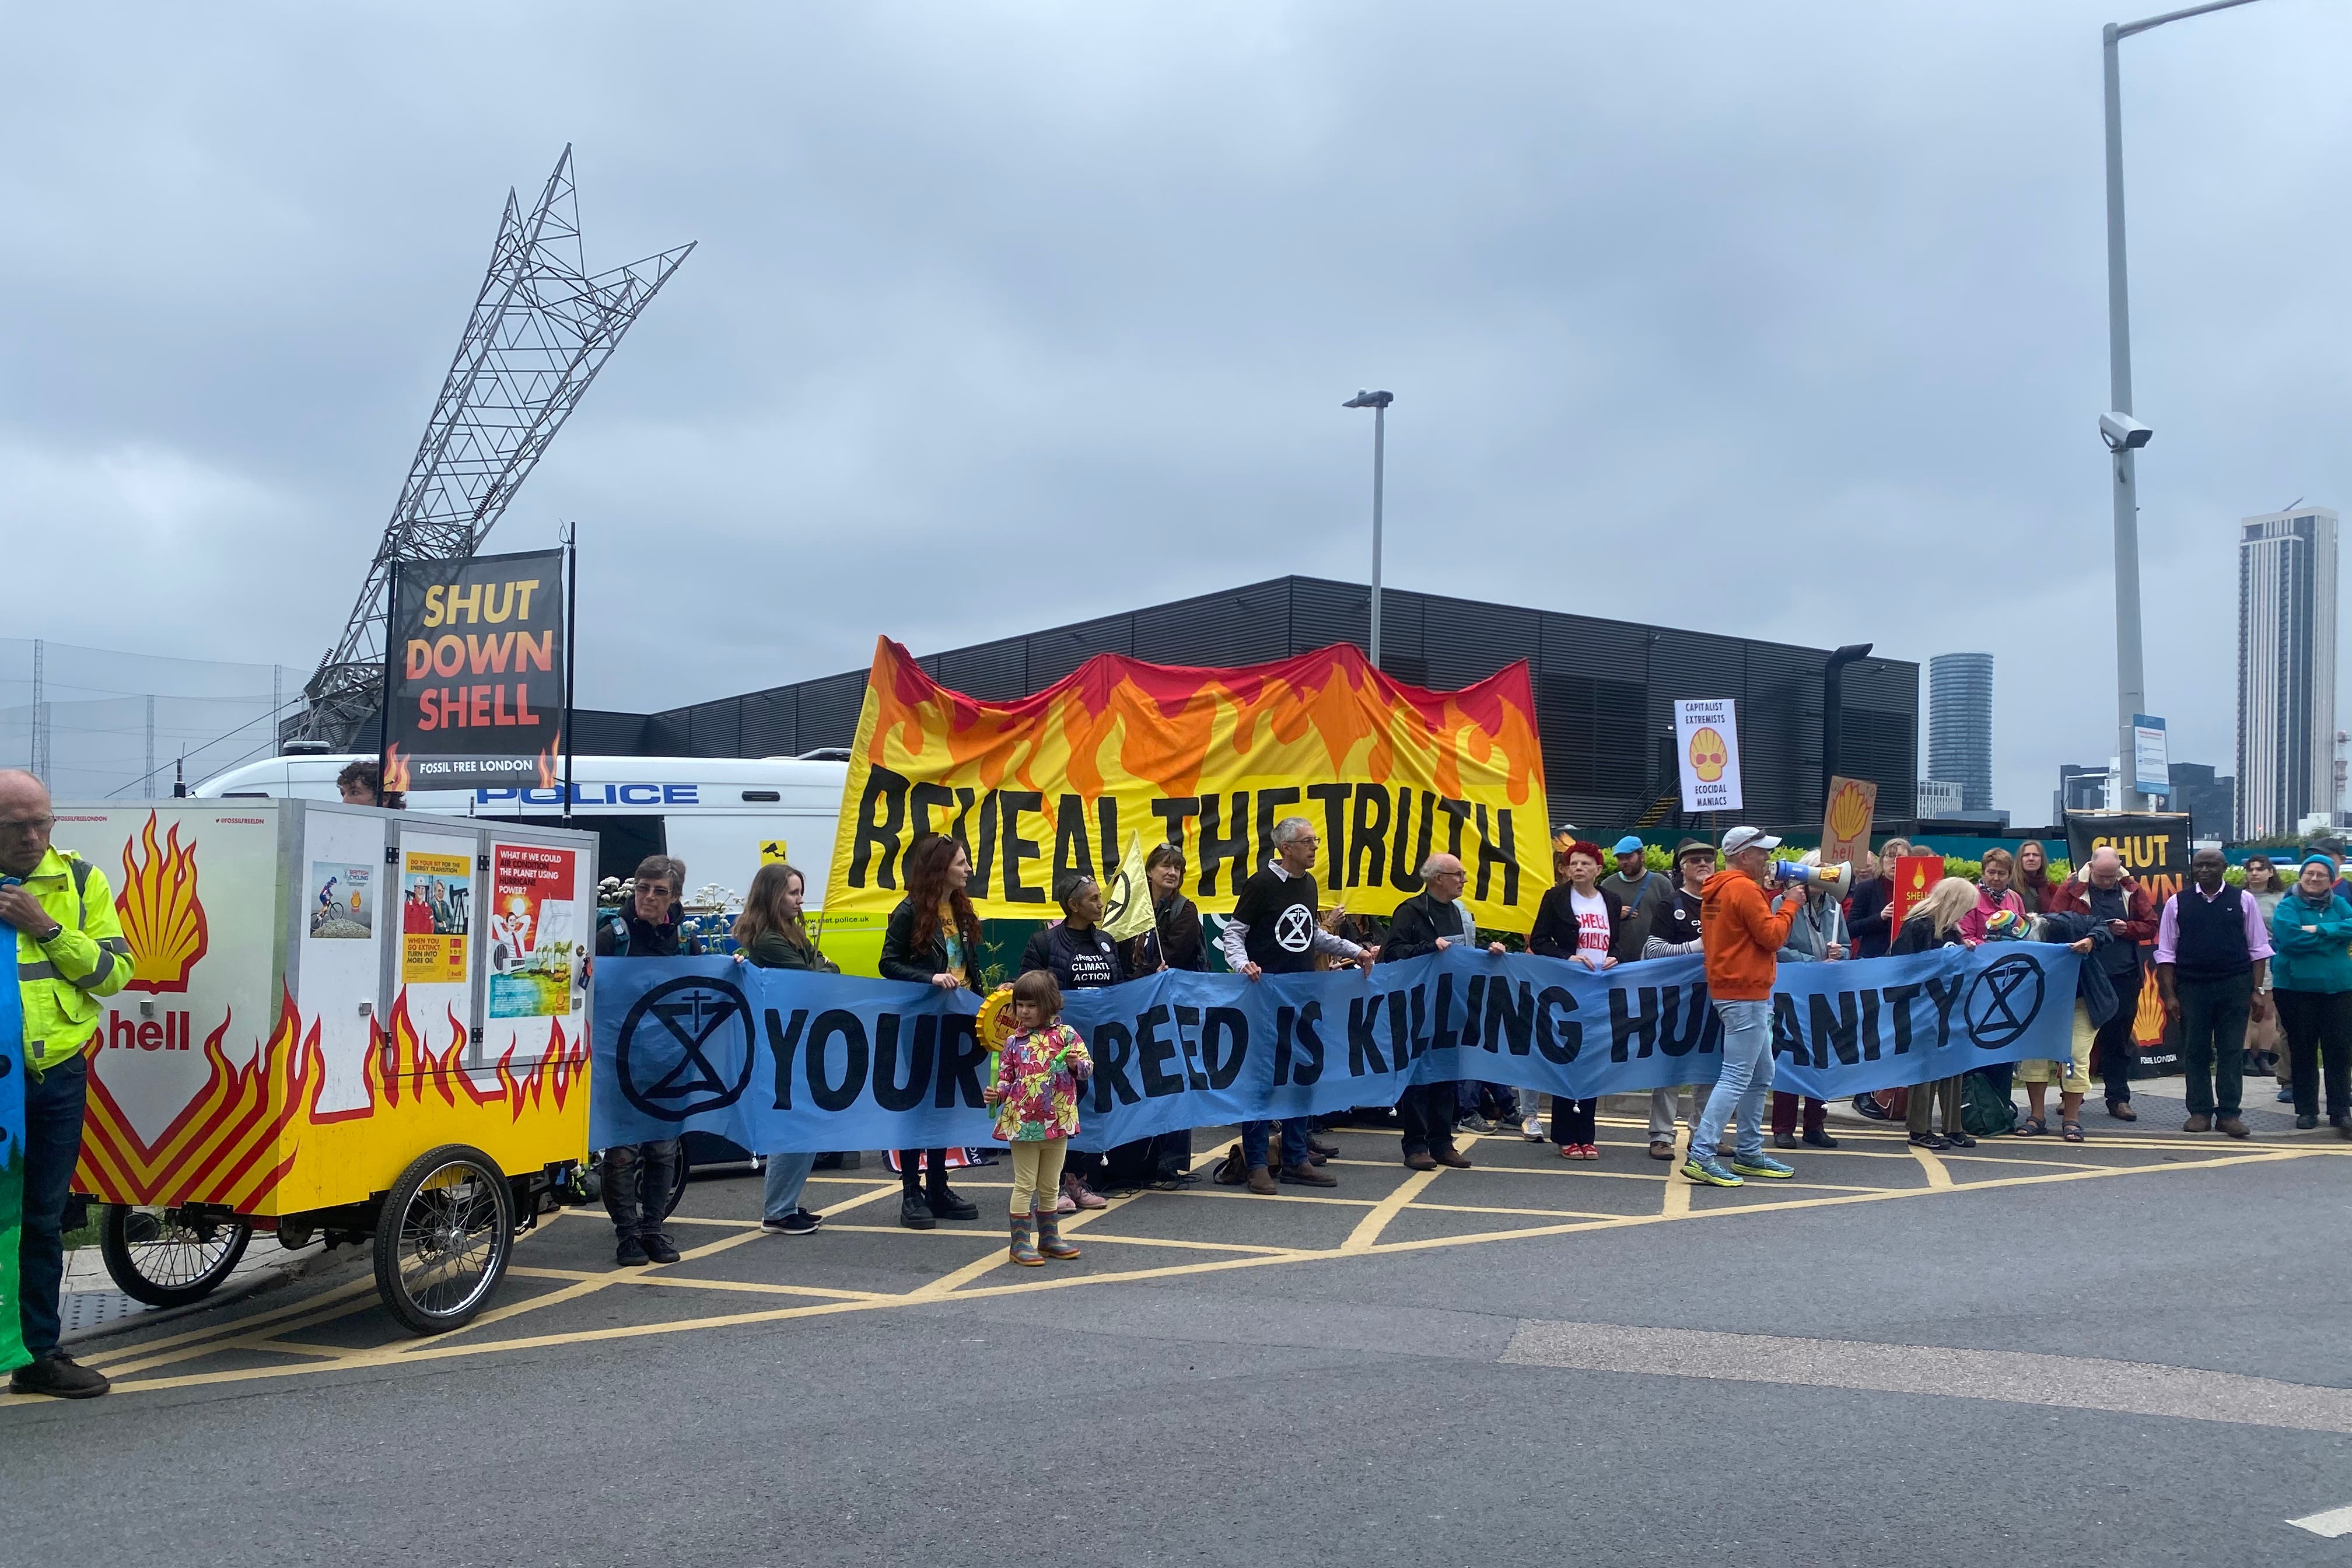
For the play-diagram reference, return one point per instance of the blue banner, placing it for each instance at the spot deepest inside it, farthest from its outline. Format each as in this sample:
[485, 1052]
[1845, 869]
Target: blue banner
[778, 1060]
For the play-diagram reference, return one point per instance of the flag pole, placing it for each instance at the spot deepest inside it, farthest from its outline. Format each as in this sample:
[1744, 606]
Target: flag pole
[571, 650]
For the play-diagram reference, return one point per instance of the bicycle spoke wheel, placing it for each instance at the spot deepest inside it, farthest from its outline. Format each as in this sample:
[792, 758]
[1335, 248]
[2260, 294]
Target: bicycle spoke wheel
[168, 1257]
[443, 1239]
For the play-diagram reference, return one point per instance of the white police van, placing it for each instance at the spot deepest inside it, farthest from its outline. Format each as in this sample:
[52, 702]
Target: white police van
[722, 816]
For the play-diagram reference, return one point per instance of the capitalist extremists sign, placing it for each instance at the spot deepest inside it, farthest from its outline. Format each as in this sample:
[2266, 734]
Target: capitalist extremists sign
[781, 1059]
[1207, 758]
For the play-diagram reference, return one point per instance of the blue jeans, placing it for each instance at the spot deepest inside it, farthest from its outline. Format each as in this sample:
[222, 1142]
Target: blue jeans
[53, 1108]
[1255, 1135]
[1745, 1083]
[787, 1173]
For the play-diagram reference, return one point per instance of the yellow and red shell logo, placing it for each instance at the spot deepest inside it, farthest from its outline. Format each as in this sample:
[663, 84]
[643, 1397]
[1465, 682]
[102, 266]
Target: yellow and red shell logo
[163, 919]
[1849, 812]
[1708, 755]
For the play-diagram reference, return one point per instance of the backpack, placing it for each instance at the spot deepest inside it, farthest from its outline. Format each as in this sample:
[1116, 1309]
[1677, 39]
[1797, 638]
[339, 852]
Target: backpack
[1984, 1113]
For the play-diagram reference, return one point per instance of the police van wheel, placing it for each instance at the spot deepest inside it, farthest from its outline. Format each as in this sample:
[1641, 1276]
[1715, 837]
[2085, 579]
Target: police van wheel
[676, 1183]
[443, 1238]
[169, 1257]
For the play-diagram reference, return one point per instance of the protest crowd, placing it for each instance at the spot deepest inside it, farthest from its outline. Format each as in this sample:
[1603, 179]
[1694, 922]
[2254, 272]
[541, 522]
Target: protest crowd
[2233, 966]
[2242, 971]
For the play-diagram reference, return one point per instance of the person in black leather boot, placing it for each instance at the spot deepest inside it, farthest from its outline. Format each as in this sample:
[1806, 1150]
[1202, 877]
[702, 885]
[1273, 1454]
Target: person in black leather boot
[933, 937]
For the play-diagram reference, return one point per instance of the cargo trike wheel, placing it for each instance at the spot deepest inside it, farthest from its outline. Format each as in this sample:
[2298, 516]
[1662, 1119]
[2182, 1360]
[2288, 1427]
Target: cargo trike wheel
[167, 1256]
[443, 1238]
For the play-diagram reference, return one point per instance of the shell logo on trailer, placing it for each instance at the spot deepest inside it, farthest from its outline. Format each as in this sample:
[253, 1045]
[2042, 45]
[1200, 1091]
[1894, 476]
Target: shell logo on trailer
[255, 1140]
[162, 918]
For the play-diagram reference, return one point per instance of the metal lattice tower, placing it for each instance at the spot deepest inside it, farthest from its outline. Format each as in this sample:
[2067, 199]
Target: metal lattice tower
[541, 329]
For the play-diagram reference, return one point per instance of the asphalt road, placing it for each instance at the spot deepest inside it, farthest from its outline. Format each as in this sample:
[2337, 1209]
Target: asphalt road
[2136, 1352]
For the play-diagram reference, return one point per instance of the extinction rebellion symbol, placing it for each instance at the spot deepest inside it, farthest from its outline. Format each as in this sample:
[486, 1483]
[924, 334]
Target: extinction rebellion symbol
[664, 1058]
[2003, 1000]
[1294, 929]
[1116, 895]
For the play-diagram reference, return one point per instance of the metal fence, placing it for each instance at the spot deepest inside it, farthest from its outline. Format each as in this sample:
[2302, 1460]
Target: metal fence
[96, 723]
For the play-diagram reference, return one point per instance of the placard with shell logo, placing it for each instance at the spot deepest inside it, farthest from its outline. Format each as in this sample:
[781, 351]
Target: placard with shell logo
[1707, 732]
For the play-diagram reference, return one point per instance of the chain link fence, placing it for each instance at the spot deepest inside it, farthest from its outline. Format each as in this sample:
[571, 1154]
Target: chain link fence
[99, 724]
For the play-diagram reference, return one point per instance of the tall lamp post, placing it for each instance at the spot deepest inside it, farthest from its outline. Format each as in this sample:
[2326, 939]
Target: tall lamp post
[1834, 710]
[2124, 434]
[1377, 401]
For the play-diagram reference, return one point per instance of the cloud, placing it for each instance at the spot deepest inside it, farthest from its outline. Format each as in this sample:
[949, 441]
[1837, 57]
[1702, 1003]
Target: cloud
[1785, 322]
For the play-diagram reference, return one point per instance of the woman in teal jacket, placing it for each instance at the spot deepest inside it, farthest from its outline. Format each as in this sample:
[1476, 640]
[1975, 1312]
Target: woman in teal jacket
[2312, 973]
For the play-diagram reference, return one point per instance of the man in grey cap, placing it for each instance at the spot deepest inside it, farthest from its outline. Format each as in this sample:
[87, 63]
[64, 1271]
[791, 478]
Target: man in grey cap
[1744, 934]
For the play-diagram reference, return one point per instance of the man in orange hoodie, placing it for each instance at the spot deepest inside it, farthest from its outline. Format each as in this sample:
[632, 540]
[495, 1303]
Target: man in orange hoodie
[1742, 933]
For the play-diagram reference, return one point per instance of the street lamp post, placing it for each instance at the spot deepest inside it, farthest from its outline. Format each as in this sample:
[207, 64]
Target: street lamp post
[2124, 436]
[1377, 401]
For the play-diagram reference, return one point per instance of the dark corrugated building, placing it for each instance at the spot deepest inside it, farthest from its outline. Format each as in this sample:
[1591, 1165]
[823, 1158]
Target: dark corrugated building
[1603, 692]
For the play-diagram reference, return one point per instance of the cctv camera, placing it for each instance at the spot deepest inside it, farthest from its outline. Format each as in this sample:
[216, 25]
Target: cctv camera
[2123, 433]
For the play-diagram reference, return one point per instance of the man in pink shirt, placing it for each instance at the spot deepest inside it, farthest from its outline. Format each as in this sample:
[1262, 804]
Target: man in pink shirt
[2213, 971]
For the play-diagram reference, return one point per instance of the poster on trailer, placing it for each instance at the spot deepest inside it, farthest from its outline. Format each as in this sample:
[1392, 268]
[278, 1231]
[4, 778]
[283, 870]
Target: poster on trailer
[474, 673]
[434, 916]
[533, 945]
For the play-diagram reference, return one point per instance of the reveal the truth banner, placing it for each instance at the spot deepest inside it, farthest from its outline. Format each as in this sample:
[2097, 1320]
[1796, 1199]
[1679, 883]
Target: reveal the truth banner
[779, 1060]
[1207, 758]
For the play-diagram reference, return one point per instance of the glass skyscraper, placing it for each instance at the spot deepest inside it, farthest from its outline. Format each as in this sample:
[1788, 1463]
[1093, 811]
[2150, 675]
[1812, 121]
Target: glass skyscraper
[1960, 725]
[2287, 669]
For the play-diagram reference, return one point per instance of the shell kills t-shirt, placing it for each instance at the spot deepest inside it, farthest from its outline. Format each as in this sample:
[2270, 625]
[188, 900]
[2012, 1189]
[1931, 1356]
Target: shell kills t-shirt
[1592, 912]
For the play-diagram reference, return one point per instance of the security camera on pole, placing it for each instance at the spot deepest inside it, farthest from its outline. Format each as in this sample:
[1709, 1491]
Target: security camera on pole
[2124, 434]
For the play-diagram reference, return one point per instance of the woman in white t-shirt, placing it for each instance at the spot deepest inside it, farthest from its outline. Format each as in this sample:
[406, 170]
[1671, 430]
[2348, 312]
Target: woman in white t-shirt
[1578, 920]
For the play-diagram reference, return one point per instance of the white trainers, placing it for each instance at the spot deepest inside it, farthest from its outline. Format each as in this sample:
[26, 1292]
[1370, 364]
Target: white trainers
[1531, 1129]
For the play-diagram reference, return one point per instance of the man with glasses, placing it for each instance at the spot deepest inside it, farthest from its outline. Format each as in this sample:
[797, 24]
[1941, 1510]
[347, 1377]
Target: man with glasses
[638, 1176]
[1277, 929]
[1431, 922]
[70, 953]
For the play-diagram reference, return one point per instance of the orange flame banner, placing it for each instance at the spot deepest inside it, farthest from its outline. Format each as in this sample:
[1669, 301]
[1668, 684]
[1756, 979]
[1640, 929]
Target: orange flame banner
[1210, 759]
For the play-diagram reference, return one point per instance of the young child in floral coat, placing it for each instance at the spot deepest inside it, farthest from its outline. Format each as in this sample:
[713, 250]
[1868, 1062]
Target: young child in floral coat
[1036, 1100]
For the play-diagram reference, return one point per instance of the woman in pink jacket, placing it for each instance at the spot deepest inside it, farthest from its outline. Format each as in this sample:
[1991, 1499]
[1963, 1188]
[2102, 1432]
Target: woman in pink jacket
[1993, 895]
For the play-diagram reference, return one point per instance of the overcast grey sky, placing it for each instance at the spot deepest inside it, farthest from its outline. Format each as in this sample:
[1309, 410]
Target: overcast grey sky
[1780, 320]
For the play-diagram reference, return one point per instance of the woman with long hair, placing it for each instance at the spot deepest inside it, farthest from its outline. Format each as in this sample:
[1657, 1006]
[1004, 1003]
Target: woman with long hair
[1934, 921]
[769, 934]
[932, 938]
[2032, 881]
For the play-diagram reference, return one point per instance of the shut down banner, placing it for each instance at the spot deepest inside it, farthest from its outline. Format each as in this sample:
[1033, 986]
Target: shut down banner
[780, 1060]
[1207, 758]
[473, 672]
